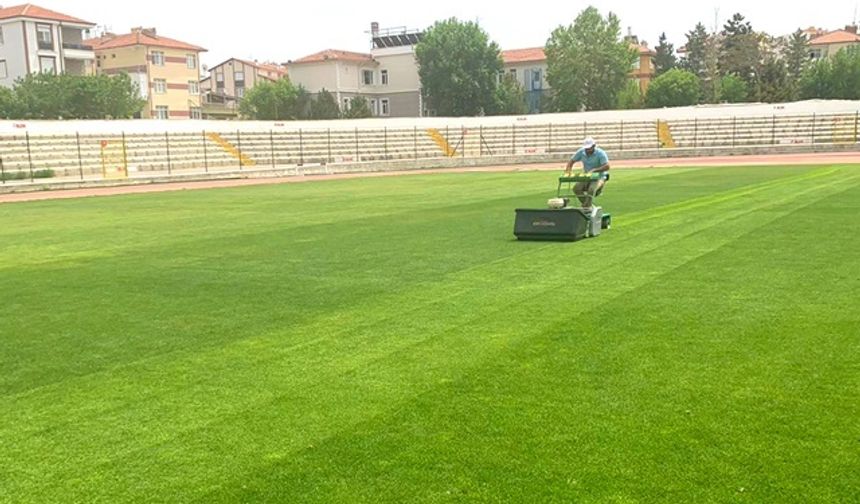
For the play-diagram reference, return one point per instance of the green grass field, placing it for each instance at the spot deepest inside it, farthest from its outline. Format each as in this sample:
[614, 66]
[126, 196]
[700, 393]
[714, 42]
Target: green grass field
[387, 340]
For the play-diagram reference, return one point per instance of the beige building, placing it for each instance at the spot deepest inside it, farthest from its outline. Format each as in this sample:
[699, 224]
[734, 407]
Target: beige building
[227, 83]
[387, 76]
[828, 44]
[644, 68]
[34, 39]
[167, 71]
[528, 67]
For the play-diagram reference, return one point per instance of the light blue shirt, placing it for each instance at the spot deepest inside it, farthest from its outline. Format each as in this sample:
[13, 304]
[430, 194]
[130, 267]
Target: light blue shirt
[592, 162]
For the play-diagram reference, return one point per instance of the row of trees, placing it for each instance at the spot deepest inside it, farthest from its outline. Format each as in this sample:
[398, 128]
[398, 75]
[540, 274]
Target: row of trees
[589, 62]
[50, 96]
[739, 64]
[283, 101]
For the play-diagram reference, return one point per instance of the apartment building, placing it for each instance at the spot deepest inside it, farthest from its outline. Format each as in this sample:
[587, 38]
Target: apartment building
[828, 44]
[34, 39]
[227, 83]
[387, 76]
[528, 67]
[166, 70]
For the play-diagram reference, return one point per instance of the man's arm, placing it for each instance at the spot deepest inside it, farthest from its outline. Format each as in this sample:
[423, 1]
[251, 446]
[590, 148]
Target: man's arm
[573, 159]
[604, 166]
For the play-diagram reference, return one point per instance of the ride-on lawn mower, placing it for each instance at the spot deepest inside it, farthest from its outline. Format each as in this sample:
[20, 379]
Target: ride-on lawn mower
[561, 222]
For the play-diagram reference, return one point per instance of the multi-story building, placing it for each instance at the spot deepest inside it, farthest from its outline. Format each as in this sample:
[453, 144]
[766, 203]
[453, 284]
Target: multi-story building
[387, 76]
[528, 67]
[227, 83]
[34, 39]
[828, 44]
[166, 70]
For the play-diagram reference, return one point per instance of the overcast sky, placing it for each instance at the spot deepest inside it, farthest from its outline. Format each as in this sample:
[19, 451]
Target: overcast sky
[283, 30]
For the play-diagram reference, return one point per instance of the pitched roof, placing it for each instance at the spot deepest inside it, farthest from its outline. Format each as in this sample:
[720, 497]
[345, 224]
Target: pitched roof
[836, 37]
[334, 54]
[523, 55]
[139, 37]
[268, 67]
[535, 54]
[34, 11]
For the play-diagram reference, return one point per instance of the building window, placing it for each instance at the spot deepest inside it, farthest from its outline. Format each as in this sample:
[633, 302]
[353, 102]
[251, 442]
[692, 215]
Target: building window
[239, 76]
[162, 112]
[191, 61]
[385, 107]
[157, 58]
[159, 86]
[48, 64]
[45, 36]
[2, 40]
[219, 77]
[346, 104]
[367, 77]
[513, 73]
[196, 113]
[4, 72]
[240, 92]
[383, 76]
[193, 87]
[374, 107]
[536, 79]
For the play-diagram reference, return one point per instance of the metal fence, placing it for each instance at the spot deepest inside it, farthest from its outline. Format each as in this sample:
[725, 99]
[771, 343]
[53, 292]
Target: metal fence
[28, 158]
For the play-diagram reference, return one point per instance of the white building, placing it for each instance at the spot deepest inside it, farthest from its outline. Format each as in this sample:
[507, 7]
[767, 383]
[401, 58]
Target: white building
[34, 39]
[387, 76]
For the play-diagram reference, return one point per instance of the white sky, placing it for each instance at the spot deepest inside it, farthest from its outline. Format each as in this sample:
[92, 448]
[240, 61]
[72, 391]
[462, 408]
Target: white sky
[280, 30]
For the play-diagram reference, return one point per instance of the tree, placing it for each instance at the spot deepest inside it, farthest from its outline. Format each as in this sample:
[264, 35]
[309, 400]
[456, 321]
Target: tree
[10, 108]
[675, 88]
[631, 96]
[665, 59]
[772, 84]
[358, 109]
[324, 106]
[797, 55]
[304, 101]
[42, 96]
[740, 49]
[834, 78]
[697, 40]
[272, 101]
[796, 61]
[733, 89]
[710, 80]
[121, 95]
[817, 81]
[458, 65]
[510, 98]
[588, 62]
[64, 96]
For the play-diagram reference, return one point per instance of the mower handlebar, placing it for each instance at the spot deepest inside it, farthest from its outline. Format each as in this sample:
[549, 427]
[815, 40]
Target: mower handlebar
[579, 178]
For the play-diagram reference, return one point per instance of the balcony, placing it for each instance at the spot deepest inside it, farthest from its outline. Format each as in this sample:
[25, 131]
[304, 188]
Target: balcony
[218, 106]
[78, 52]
